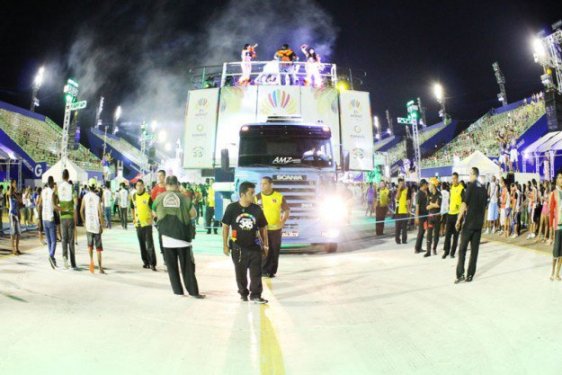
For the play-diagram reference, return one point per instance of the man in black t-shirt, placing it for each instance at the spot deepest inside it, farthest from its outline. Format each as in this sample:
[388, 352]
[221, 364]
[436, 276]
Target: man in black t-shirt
[246, 220]
[473, 208]
[434, 219]
[421, 214]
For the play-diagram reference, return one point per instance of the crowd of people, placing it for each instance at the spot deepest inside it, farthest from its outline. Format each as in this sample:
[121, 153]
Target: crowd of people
[251, 227]
[497, 134]
[434, 208]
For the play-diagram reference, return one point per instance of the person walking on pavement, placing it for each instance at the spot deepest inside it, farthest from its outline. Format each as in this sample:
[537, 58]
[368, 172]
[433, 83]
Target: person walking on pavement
[14, 202]
[403, 206]
[47, 206]
[175, 213]
[142, 221]
[123, 205]
[107, 204]
[210, 210]
[434, 219]
[92, 217]
[381, 208]
[555, 209]
[455, 201]
[276, 210]
[158, 189]
[67, 199]
[246, 220]
[421, 215]
[472, 210]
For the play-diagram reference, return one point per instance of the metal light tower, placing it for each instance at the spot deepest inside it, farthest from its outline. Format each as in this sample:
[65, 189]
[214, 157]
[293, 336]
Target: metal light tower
[116, 117]
[500, 79]
[422, 112]
[413, 120]
[547, 53]
[389, 122]
[440, 96]
[37, 82]
[71, 93]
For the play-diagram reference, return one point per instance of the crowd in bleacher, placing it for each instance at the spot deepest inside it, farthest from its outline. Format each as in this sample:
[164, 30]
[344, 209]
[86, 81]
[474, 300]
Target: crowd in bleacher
[398, 152]
[41, 139]
[492, 134]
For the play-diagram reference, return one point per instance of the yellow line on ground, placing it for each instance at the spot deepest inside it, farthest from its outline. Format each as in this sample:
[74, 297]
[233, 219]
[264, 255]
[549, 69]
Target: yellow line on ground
[271, 355]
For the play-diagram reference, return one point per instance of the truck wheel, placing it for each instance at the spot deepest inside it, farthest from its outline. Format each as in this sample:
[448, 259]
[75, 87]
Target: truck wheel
[331, 247]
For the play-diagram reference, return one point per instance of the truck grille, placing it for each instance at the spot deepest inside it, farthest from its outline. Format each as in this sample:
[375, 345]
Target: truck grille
[301, 197]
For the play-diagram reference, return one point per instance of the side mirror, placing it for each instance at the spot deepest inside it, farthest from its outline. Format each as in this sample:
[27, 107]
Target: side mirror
[225, 159]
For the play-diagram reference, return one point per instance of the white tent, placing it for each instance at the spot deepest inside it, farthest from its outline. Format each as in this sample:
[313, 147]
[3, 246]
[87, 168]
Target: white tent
[76, 173]
[480, 161]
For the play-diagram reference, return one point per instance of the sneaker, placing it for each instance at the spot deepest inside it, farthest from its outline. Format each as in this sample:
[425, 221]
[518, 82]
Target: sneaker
[199, 296]
[459, 280]
[153, 268]
[514, 235]
[244, 298]
[259, 300]
[469, 279]
[52, 262]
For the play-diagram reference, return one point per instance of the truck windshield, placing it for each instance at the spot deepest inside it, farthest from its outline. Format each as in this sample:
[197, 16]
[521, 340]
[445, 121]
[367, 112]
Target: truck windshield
[285, 151]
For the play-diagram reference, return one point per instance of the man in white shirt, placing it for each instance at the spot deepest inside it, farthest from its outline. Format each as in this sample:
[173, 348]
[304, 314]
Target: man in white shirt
[47, 205]
[492, 205]
[123, 204]
[92, 216]
[513, 155]
[107, 205]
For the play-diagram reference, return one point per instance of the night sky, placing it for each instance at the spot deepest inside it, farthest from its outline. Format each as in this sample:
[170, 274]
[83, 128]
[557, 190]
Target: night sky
[137, 53]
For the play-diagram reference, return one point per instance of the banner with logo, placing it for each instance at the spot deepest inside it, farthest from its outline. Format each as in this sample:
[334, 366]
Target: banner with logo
[200, 128]
[321, 106]
[357, 129]
[237, 107]
[278, 101]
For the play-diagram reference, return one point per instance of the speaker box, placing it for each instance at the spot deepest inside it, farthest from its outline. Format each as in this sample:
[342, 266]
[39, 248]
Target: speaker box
[553, 107]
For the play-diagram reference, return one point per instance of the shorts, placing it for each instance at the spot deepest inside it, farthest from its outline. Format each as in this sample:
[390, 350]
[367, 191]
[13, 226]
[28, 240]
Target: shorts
[15, 228]
[537, 213]
[493, 211]
[94, 240]
[503, 216]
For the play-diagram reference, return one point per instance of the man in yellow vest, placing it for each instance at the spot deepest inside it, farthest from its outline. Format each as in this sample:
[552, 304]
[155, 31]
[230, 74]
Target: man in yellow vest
[276, 212]
[142, 220]
[403, 206]
[455, 198]
[210, 221]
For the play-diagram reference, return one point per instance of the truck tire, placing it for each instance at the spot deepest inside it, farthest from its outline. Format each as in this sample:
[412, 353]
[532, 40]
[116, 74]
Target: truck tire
[331, 247]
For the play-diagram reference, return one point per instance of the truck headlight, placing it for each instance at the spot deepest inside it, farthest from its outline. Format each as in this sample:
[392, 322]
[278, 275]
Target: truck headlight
[332, 209]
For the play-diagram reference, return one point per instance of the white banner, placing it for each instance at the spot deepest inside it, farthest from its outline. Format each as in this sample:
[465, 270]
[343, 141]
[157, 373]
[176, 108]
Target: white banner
[357, 129]
[200, 128]
[321, 106]
[237, 107]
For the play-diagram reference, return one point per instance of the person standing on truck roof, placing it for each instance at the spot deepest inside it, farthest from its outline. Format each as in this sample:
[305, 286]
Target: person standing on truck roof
[248, 54]
[276, 210]
[286, 58]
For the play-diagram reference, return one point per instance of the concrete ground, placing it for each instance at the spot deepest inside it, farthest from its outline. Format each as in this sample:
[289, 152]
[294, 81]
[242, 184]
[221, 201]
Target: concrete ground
[373, 308]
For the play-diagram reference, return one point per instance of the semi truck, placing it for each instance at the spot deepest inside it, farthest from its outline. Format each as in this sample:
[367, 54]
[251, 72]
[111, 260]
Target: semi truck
[299, 158]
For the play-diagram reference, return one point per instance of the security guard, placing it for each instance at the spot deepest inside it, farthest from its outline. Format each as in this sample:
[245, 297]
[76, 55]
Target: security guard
[455, 198]
[142, 220]
[210, 210]
[276, 212]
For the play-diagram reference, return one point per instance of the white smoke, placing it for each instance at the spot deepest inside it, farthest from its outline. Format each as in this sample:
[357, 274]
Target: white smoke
[149, 51]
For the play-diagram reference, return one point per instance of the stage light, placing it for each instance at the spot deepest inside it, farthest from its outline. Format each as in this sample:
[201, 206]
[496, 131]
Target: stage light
[38, 81]
[438, 91]
[168, 147]
[538, 49]
[153, 125]
[117, 114]
[162, 135]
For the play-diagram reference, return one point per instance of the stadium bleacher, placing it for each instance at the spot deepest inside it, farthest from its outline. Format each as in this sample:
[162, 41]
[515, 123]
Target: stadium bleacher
[39, 137]
[398, 152]
[117, 143]
[487, 133]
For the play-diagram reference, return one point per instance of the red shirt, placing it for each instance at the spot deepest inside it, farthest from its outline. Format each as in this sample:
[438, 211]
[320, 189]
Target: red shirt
[156, 191]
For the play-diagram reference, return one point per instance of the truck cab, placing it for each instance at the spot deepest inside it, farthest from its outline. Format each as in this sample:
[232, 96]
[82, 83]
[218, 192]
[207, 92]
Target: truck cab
[299, 158]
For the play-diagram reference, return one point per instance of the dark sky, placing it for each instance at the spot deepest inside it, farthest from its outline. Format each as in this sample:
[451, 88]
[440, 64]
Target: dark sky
[133, 51]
